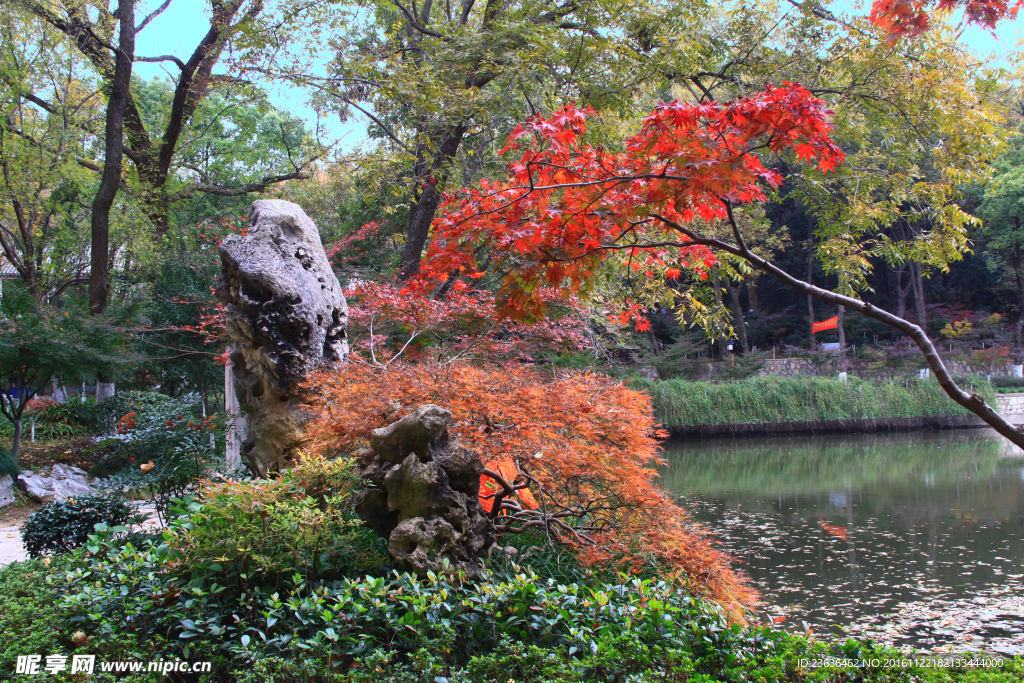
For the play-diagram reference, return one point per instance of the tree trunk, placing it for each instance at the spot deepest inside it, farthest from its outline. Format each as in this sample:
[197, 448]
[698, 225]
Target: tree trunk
[902, 292]
[810, 280]
[918, 283]
[842, 340]
[99, 276]
[755, 303]
[737, 316]
[429, 198]
[716, 287]
[16, 446]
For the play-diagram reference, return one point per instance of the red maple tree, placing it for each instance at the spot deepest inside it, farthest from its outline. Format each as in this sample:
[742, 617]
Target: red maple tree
[911, 17]
[567, 205]
[386, 319]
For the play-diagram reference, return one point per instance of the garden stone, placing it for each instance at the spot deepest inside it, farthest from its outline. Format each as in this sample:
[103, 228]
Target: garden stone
[6, 490]
[286, 315]
[69, 472]
[61, 483]
[423, 495]
[38, 487]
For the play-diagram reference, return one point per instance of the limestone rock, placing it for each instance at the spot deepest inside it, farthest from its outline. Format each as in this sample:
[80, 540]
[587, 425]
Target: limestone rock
[60, 483]
[423, 494]
[286, 315]
[424, 431]
[6, 491]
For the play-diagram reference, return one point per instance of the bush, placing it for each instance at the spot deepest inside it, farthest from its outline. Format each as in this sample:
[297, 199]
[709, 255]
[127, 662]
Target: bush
[260, 533]
[165, 431]
[33, 621]
[29, 618]
[500, 626]
[586, 446]
[1009, 383]
[62, 526]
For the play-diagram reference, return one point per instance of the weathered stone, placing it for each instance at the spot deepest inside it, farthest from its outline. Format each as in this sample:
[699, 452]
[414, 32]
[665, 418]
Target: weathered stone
[286, 315]
[6, 490]
[60, 483]
[424, 432]
[372, 508]
[423, 494]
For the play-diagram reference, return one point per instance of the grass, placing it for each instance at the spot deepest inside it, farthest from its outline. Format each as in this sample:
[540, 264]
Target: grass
[681, 403]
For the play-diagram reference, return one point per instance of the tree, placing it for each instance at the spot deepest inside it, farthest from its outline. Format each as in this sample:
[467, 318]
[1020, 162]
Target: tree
[1002, 209]
[438, 80]
[47, 169]
[911, 17]
[152, 145]
[568, 205]
[117, 84]
[38, 342]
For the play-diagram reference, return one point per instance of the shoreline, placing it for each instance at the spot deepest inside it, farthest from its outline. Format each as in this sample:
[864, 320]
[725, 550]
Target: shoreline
[867, 425]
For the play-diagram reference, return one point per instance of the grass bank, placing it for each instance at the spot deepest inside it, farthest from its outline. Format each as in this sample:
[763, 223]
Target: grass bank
[684, 406]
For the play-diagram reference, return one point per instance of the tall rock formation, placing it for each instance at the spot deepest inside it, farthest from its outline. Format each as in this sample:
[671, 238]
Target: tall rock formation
[286, 315]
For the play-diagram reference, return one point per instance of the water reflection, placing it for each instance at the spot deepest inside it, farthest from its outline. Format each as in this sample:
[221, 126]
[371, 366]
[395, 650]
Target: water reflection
[849, 527]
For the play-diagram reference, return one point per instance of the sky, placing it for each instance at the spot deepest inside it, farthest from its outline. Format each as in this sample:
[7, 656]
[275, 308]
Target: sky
[180, 28]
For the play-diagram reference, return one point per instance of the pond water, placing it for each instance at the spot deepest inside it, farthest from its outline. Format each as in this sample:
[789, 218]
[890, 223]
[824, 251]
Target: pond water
[837, 530]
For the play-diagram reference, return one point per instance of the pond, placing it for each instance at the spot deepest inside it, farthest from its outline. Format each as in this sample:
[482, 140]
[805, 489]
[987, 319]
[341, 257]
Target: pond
[914, 537]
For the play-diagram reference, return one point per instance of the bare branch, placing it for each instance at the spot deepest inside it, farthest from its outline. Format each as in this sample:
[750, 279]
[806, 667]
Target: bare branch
[153, 15]
[163, 58]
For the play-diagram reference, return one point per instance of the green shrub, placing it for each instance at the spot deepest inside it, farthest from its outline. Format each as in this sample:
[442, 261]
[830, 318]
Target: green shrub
[29, 619]
[8, 464]
[267, 530]
[165, 431]
[503, 626]
[62, 526]
[32, 622]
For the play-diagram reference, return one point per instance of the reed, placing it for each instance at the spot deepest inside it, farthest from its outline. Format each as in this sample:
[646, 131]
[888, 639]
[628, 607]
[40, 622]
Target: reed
[680, 403]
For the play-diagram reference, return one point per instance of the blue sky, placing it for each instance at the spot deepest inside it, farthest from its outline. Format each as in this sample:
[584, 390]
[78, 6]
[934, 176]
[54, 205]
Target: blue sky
[183, 24]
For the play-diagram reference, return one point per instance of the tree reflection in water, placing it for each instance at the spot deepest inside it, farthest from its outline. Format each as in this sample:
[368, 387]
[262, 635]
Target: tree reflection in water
[837, 528]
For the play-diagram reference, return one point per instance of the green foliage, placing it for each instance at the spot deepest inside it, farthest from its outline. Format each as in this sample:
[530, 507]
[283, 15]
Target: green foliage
[29, 616]
[61, 526]
[167, 432]
[8, 464]
[38, 342]
[33, 621]
[1008, 383]
[62, 421]
[137, 602]
[260, 533]
[679, 403]
[502, 626]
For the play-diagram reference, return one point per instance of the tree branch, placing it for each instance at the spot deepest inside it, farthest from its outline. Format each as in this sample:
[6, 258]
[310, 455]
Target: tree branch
[163, 58]
[153, 15]
[972, 402]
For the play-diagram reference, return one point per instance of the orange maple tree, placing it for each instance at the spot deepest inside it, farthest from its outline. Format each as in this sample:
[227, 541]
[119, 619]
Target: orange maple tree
[581, 450]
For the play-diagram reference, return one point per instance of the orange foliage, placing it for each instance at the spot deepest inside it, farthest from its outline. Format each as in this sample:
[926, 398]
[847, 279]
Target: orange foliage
[584, 443]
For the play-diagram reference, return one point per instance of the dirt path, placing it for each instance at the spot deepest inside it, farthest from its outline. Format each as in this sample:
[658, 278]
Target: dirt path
[11, 519]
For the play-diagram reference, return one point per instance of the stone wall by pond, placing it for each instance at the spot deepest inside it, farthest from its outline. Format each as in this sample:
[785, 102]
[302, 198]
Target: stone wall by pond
[1011, 406]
